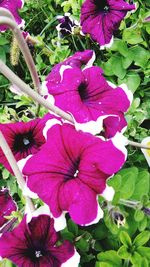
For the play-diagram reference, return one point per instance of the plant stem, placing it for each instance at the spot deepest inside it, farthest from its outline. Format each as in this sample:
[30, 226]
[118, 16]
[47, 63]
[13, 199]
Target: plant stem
[8, 73]
[131, 143]
[7, 20]
[11, 159]
[130, 203]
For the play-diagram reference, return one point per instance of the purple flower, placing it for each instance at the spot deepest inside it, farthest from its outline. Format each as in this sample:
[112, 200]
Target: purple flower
[24, 138]
[12, 6]
[35, 244]
[71, 171]
[78, 60]
[89, 97]
[7, 205]
[101, 18]
[66, 24]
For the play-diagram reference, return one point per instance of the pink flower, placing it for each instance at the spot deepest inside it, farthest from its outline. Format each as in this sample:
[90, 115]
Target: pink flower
[12, 6]
[7, 205]
[34, 244]
[24, 138]
[87, 95]
[71, 171]
[101, 18]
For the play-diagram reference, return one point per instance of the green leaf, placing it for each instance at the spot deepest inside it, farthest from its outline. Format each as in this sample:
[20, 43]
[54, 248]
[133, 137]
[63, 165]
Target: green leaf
[123, 253]
[110, 257]
[115, 182]
[125, 239]
[83, 245]
[72, 227]
[2, 54]
[140, 56]
[144, 252]
[132, 36]
[3, 40]
[121, 47]
[142, 185]
[136, 259]
[128, 182]
[132, 80]
[139, 215]
[5, 174]
[142, 224]
[117, 67]
[141, 239]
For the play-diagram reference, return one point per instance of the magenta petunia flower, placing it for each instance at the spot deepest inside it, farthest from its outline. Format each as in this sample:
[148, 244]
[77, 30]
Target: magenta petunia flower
[13, 6]
[67, 25]
[34, 244]
[24, 138]
[89, 97]
[7, 205]
[71, 171]
[101, 18]
[78, 60]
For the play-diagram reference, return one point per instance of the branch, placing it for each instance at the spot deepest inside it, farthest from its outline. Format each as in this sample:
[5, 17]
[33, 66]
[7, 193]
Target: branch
[7, 19]
[11, 159]
[131, 143]
[8, 73]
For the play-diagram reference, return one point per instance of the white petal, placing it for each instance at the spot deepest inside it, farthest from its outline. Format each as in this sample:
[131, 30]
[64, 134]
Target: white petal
[107, 45]
[108, 193]
[127, 92]
[120, 142]
[73, 261]
[146, 152]
[43, 210]
[21, 163]
[62, 69]
[48, 125]
[27, 192]
[60, 222]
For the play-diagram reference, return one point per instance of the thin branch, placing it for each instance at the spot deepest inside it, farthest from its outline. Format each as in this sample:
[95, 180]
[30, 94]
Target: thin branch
[8, 73]
[7, 20]
[11, 159]
[135, 144]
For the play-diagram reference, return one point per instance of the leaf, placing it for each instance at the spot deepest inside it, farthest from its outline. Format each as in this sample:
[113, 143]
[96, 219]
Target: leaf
[123, 253]
[2, 54]
[3, 40]
[132, 80]
[141, 239]
[140, 56]
[72, 227]
[128, 182]
[144, 252]
[117, 67]
[136, 259]
[83, 245]
[125, 239]
[110, 257]
[142, 185]
[139, 215]
[132, 36]
[115, 182]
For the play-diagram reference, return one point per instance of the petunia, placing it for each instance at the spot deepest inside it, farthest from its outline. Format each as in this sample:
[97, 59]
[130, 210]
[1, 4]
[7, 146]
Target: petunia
[13, 6]
[71, 171]
[34, 244]
[7, 205]
[66, 25]
[88, 96]
[101, 18]
[24, 138]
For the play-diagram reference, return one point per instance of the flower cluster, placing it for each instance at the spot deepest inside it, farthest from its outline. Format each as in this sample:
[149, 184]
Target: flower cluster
[67, 164]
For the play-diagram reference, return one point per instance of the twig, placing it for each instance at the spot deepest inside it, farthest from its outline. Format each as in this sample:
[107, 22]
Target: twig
[11, 159]
[8, 73]
[7, 20]
[131, 143]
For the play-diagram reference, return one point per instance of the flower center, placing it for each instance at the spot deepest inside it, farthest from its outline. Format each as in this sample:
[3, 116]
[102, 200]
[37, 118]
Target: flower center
[23, 142]
[82, 90]
[102, 5]
[73, 171]
[1, 1]
[38, 254]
